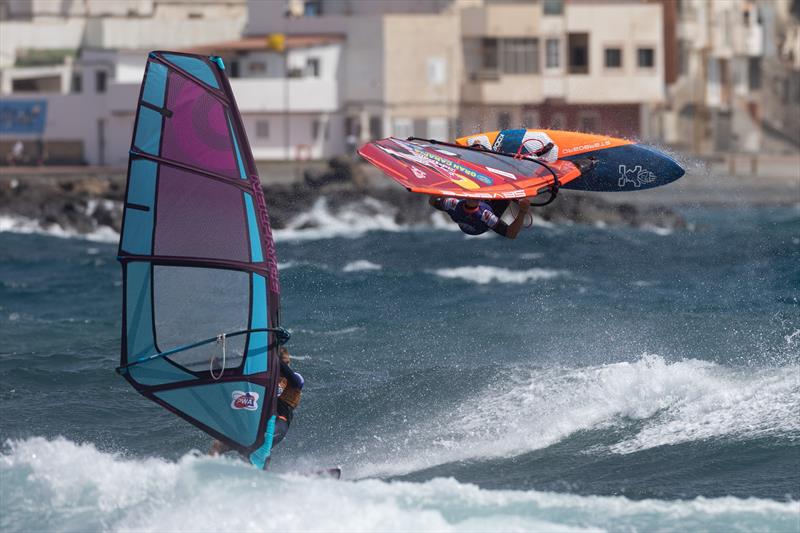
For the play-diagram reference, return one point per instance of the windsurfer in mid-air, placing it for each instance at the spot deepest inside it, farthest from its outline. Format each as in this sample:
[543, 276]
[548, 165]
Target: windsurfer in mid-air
[290, 386]
[475, 217]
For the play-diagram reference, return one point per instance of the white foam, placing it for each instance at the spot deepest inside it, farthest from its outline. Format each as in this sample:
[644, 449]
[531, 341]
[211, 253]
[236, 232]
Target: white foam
[662, 232]
[531, 255]
[353, 220]
[16, 224]
[483, 274]
[59, 485]
[531, 409]
[360, 266]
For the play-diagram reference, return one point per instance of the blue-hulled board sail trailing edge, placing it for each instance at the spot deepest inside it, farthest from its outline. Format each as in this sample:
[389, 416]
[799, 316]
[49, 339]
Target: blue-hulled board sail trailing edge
[201, 299]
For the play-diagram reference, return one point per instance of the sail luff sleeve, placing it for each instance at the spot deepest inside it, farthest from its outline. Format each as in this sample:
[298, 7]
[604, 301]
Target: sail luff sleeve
[185, 201]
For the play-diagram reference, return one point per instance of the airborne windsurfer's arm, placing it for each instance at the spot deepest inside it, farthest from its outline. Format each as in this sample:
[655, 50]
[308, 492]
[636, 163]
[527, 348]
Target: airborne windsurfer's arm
[442, 204]
[510, 231]
[294, 378]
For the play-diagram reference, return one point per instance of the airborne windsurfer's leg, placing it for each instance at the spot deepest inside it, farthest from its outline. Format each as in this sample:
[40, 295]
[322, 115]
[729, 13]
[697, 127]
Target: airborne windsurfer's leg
[281, 429]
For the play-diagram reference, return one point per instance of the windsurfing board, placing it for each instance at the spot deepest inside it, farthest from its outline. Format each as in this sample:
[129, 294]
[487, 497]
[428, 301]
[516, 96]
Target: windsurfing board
[443, 169]
[619, 164]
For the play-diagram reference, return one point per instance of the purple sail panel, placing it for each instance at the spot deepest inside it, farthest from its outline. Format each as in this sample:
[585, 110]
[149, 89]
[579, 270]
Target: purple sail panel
[199, 217]
[198, 132]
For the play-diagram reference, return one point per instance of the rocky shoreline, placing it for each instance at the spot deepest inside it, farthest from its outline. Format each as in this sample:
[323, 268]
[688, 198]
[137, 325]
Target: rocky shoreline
[84, 204]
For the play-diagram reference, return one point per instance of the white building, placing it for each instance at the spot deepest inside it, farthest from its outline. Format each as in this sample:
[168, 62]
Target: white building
[290, 97]
[440, 68]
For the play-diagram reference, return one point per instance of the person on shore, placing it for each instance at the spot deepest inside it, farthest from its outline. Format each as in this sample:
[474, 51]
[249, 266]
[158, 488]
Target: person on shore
[476, 217]
[290, 386]
[15, 156]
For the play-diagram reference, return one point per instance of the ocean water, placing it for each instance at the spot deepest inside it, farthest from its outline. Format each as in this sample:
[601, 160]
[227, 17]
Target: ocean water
[578, 378]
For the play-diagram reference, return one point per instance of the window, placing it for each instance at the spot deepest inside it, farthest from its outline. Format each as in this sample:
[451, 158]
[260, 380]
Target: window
[613, 58]
[77, 82]
[553, 7]
[257, 67]
[588, 122]
[489, 55]
[436, 70]
[646, 57]
[437, 128]
[100, 80]
[312, 8]
[262, 129]
[376, 127]
[558, 121]
[578, 53]
[530, 119]
[319, 128]
[352, 126]
[504, 120]
[520, 56]
[312, 67]
[421, 128]
[552, 53]
[234, 66]
[754, 73]
[402, 128]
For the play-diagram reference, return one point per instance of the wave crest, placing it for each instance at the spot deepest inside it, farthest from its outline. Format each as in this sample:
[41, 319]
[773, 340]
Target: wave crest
[60, 485]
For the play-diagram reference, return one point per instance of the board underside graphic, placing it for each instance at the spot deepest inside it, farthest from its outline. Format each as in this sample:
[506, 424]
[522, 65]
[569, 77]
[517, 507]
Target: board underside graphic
[619, 164]
[442, 169]
[198, 259]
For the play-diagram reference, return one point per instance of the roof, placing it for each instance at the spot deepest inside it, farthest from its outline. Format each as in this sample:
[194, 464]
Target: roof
[261, 42]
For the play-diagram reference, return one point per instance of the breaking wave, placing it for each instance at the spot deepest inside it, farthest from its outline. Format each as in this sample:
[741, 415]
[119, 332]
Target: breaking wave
[483, 275]
[360, 266]
[320, 222]
[85, 489]
[651, 401]
[18, 224]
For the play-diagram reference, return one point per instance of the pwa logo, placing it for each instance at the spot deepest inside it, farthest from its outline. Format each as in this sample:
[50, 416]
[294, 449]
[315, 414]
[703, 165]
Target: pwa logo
[244, 400]
[637, 176]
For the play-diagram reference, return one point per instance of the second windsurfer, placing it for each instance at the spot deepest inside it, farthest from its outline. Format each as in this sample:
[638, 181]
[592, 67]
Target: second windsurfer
[290, 386]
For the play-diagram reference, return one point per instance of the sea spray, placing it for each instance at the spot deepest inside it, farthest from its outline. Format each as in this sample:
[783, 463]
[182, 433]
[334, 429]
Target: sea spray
[58, 485]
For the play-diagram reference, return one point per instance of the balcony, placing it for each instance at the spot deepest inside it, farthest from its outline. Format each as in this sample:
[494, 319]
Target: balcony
[264, 95]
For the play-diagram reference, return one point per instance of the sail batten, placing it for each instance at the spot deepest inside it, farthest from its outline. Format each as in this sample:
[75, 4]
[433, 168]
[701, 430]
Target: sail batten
[198, 259]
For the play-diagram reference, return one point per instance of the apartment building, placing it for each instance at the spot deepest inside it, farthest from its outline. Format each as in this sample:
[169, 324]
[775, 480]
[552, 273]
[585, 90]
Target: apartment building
[738, 85]
[401, 60]
[589, 66]
[446, 67]
[70, 71]
[288, 89]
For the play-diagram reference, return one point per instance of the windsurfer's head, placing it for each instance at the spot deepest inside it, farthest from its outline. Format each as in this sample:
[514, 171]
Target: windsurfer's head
[283, 354]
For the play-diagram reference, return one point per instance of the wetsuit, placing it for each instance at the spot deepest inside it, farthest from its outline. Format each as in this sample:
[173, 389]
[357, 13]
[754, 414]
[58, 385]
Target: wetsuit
[472, 221]
[290, 385]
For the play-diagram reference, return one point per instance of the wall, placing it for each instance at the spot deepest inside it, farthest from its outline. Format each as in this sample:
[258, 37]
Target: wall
[620, 25]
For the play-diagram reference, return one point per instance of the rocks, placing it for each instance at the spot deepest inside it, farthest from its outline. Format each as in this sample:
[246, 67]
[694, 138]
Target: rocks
[85, 204]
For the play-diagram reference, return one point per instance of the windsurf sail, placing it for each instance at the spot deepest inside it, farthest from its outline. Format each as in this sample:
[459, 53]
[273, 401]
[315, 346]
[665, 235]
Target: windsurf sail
[201, 299]
[444, 169]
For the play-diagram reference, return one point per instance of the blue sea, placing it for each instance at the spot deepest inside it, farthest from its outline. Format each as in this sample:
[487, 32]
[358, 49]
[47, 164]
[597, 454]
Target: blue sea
[578, 378]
